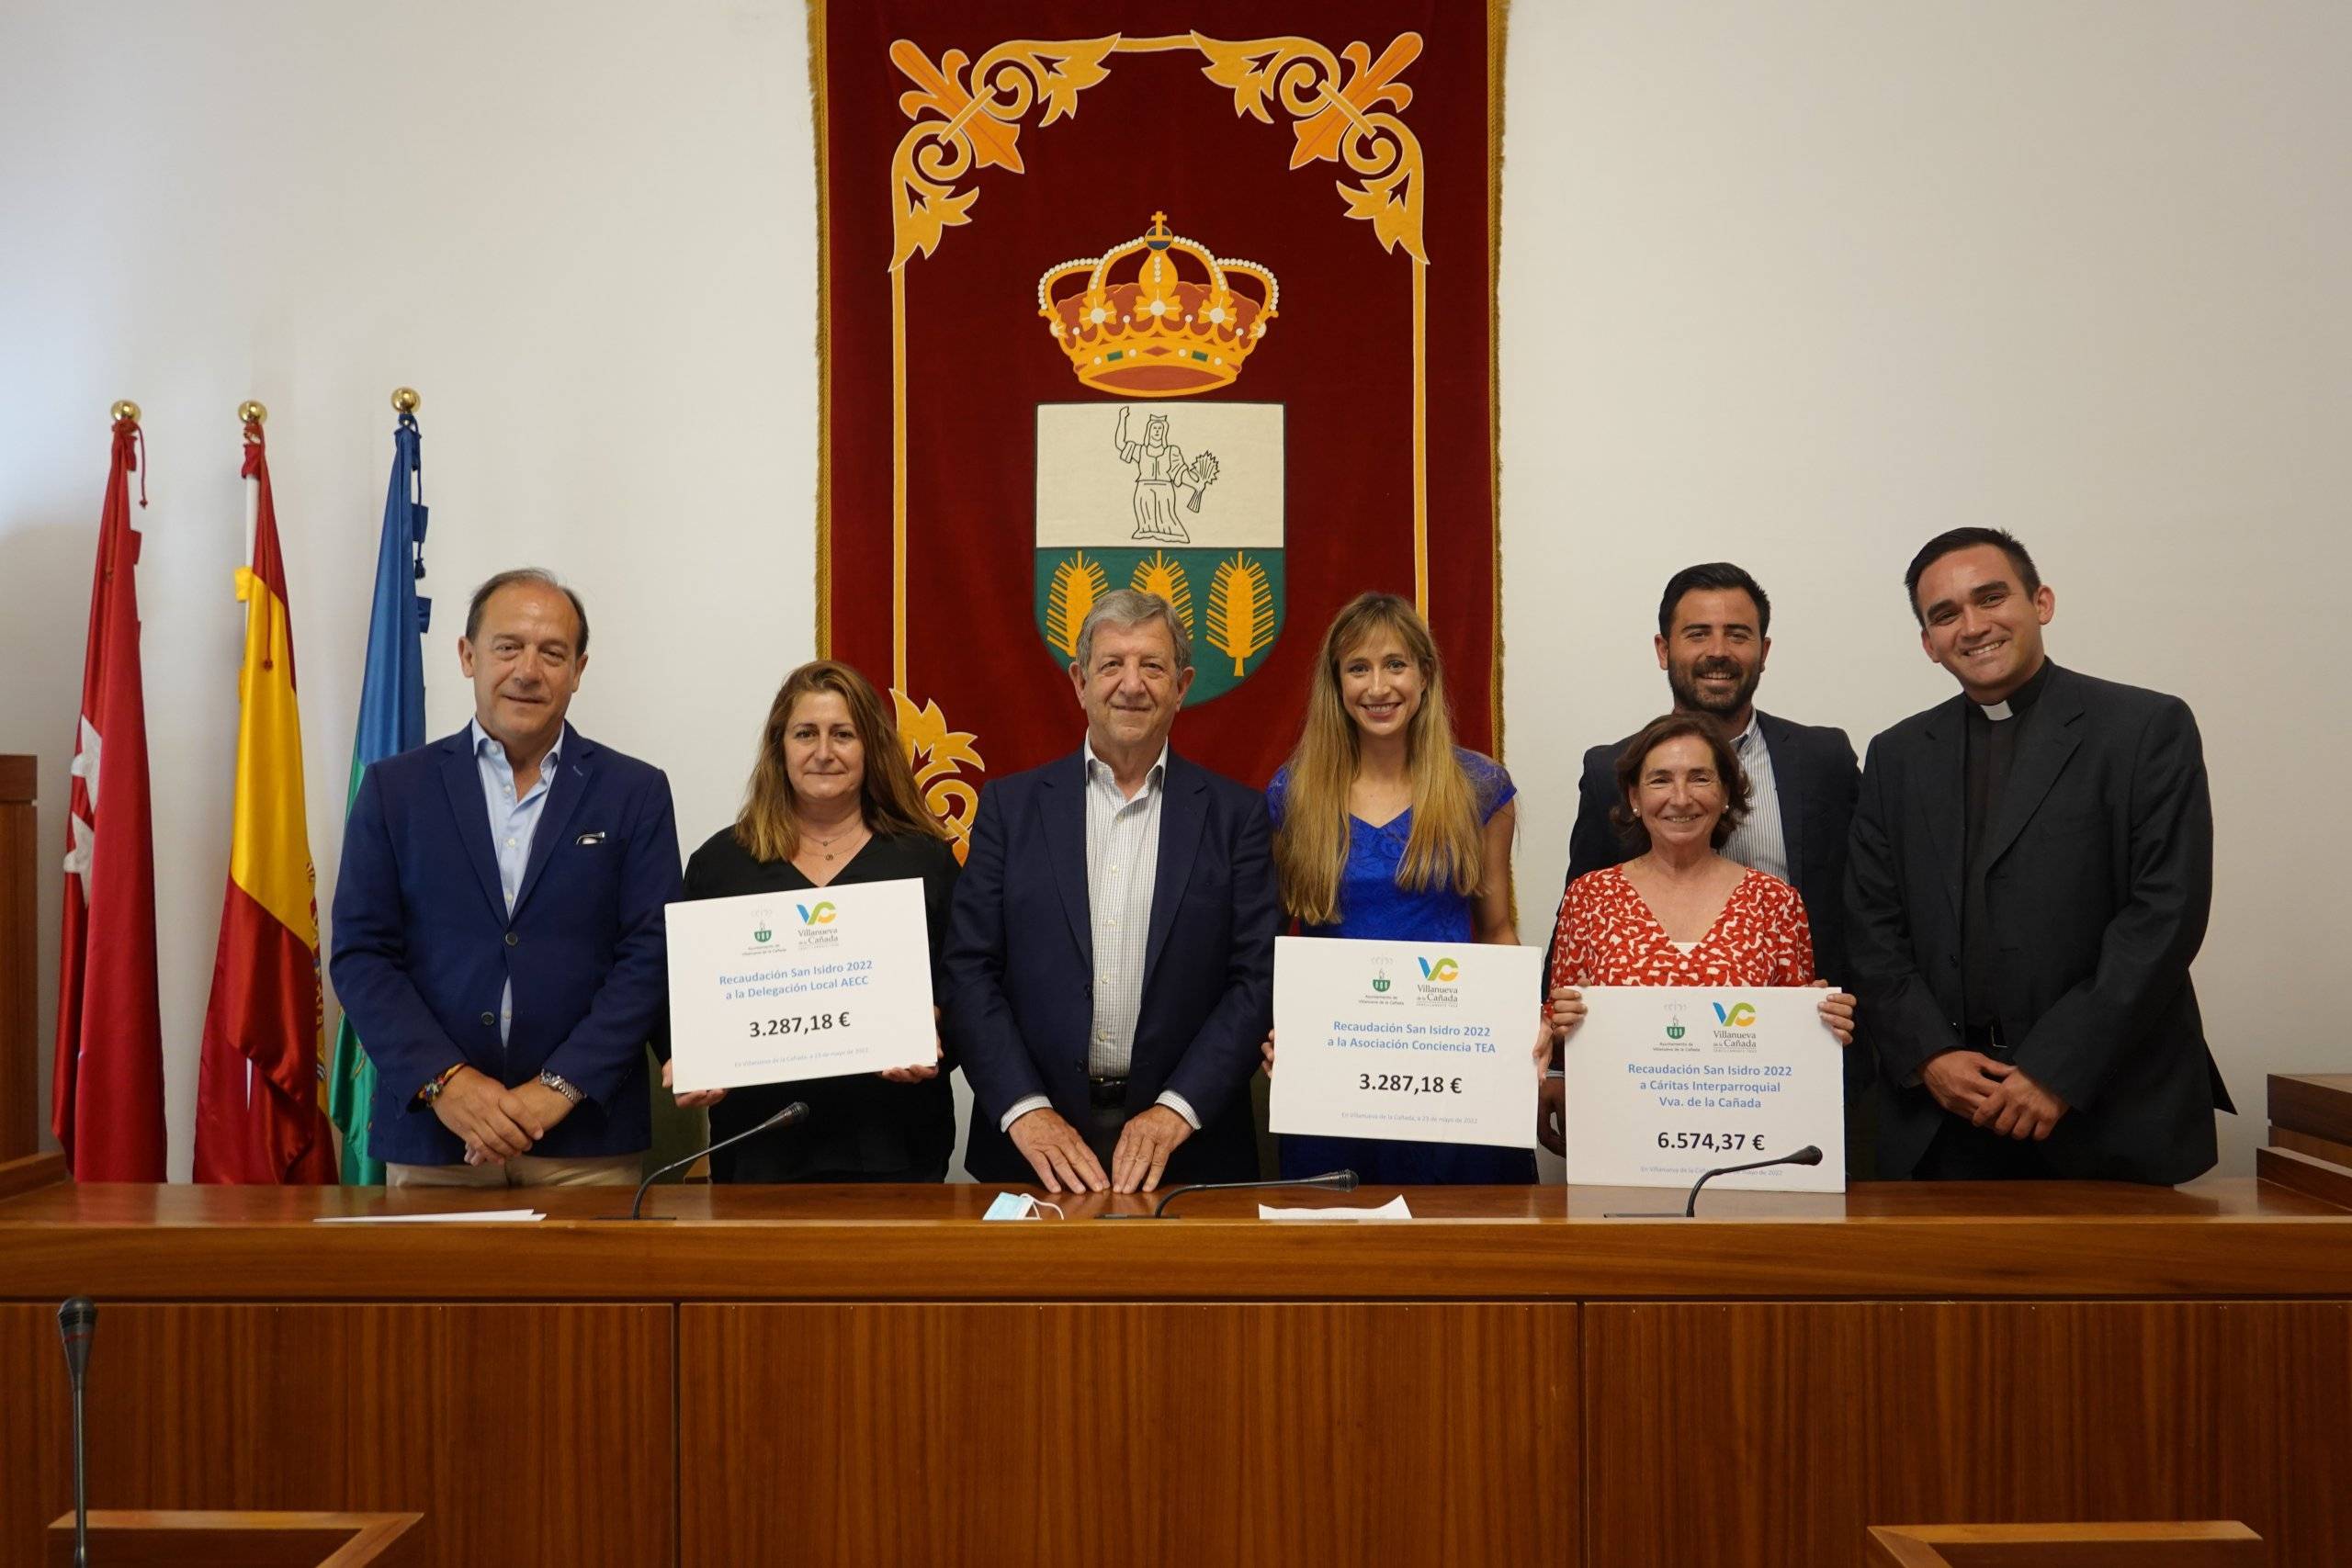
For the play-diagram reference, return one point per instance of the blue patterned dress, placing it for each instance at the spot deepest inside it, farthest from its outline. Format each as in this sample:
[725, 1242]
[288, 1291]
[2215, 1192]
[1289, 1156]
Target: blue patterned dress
[1372, 908]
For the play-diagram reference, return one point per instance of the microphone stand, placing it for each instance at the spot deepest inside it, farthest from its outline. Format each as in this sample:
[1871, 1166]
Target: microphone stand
[791, 1115]
[1331, 1181]
[77, 1322]
[1809, 1155]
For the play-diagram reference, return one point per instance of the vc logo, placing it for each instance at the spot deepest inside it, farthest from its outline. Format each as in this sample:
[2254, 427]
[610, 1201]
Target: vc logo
[1445, 971]
[822, 915]
[1739, 1016]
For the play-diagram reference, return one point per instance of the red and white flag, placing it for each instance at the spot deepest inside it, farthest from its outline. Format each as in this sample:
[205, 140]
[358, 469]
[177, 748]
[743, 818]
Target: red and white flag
[107, 1100]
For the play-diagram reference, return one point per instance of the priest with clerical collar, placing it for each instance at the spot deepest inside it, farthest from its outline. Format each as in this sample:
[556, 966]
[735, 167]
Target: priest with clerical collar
[2029, 877]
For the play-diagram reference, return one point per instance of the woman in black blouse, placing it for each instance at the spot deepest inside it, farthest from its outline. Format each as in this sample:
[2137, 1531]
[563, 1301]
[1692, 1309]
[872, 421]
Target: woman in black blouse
[832, 800]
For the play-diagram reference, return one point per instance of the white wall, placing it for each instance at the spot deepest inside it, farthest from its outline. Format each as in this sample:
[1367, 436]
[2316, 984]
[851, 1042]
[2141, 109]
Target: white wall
[1800, 285]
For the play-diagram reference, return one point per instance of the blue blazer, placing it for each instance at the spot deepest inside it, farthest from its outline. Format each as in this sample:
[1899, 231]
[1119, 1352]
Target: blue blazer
[1020, 963]
[423, 946]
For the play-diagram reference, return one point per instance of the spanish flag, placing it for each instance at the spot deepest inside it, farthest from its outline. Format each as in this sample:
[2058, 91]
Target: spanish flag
[258, 1116]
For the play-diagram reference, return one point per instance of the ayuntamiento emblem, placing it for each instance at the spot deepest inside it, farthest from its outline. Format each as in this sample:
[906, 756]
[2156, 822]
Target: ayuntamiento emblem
[1184, 501]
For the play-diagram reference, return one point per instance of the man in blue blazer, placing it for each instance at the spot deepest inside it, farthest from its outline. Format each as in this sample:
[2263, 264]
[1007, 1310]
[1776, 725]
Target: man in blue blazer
[498, 921]
[1714, 627]
[1110, 960]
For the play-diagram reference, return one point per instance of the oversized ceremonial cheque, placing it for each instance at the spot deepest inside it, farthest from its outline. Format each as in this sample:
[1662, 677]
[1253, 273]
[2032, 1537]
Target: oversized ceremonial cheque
[1427, 1042]
[776, 988]
[1667, 1082]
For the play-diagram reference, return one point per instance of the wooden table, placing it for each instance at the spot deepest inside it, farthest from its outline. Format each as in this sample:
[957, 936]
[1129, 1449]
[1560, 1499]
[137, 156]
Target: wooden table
[871, 1375]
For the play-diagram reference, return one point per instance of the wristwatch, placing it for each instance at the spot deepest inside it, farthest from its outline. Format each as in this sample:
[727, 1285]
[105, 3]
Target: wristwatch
[562, 1085]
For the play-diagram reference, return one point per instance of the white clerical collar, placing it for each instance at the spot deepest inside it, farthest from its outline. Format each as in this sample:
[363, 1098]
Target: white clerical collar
[1996, 712]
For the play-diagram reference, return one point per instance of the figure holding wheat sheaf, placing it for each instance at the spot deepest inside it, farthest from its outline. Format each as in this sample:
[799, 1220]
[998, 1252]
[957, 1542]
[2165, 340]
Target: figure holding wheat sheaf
[1163, 479]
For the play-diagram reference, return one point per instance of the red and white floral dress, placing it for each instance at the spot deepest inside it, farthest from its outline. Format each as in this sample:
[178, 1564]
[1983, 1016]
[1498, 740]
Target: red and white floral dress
[1607, 936]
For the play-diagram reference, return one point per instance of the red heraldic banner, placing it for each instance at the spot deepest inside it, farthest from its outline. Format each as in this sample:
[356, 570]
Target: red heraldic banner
[106, 1096]
[1207, 313]
[258, 1116]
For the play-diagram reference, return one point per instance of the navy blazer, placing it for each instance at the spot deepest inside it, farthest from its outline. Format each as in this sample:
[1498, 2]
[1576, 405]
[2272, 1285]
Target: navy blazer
[423, 946]
[1020, 963]
[2099, 879]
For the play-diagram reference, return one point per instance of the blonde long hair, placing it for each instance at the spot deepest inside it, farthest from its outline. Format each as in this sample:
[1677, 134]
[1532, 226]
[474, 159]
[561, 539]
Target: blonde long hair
[769, 826]
[1311, 847]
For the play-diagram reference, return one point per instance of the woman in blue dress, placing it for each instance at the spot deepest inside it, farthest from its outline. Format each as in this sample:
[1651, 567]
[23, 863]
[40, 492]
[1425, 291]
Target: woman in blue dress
[1386, 830]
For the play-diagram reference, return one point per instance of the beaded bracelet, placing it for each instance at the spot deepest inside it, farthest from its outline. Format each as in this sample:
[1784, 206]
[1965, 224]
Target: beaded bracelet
[432, 1091]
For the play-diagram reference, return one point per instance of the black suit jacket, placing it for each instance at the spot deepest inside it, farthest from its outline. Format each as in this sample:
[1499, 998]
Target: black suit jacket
[1020, 963]
[1815, 775]
[2099, 878]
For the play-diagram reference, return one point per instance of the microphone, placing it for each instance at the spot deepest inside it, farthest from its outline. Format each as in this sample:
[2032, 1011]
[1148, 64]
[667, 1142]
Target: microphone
[77, 1322]
[1329, 1181]
[791, 1115]
[1809, 1155]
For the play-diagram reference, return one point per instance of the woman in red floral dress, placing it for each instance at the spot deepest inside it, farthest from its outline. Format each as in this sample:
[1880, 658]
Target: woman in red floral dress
[1680, 914]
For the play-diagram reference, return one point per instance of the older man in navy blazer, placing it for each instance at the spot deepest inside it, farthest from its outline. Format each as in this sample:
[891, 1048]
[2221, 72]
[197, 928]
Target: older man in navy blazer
[498, 921]
[1111, 966]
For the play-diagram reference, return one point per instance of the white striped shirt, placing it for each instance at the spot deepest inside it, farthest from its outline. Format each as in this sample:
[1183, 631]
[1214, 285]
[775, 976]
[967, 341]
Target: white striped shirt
[1758, 842]
[1122, 873]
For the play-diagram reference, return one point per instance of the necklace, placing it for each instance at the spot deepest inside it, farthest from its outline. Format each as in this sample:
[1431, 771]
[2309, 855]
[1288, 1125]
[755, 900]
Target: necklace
[825, 844]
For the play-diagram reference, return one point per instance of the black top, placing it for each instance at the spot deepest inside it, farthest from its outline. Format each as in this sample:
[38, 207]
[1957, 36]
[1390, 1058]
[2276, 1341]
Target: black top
[1992, 749]
[859, 1125]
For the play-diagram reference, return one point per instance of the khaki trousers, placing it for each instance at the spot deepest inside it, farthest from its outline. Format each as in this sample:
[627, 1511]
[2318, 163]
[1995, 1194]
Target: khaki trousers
[523, 1170]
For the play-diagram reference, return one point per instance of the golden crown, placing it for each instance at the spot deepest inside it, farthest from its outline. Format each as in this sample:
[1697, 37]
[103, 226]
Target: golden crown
[1152, 331]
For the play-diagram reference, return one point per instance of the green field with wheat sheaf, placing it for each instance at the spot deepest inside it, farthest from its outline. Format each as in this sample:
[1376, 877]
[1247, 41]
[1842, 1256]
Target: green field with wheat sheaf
[1230, 599]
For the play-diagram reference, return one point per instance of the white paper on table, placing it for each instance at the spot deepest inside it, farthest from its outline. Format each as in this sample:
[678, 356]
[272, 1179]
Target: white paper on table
[1391, 1209]
[1428, 1041]
[468, 1216]
[775, 987]
[1667, 1082]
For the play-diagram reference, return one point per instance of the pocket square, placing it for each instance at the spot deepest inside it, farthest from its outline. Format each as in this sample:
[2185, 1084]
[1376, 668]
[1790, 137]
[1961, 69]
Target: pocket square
[586, 839]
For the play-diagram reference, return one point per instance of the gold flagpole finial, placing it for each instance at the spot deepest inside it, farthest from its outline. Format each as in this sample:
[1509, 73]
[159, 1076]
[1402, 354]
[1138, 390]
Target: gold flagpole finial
[406, 401]
[251, 412]
[125, 409]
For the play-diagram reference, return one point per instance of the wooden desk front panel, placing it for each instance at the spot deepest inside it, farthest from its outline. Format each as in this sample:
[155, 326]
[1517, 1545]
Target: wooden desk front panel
[1724, 1436]
[989, 1433]
[524, 1434]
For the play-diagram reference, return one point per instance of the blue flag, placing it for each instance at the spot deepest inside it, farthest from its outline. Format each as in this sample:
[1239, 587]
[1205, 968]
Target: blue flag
[391, 720]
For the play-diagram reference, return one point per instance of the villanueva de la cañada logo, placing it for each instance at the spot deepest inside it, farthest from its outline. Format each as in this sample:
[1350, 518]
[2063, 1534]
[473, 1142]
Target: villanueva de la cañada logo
[822, 914]
[1739, 1015]
[762, 932]
[1186, 501]
[1443, 972]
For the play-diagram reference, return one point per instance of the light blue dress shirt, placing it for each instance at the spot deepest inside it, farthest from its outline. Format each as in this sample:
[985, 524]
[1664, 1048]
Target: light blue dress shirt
[513, 824]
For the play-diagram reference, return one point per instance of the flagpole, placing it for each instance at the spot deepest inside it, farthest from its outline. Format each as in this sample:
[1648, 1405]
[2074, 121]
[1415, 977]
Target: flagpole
[251, 417]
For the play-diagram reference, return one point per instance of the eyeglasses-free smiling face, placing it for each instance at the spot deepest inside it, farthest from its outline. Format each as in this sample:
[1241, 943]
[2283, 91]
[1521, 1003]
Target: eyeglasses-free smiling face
[1133, 689]
[1679, 795]
[1714, 655]
[1381, 683]
[1977, 621]
[526, 664]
